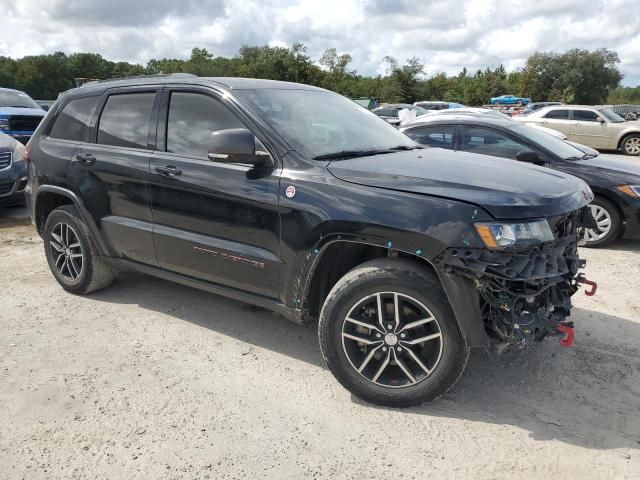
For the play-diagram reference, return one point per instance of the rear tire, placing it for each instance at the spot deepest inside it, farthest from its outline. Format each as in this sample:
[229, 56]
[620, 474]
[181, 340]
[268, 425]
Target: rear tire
[423, 361]
[609, 219]
[630, 145]
[71, 253]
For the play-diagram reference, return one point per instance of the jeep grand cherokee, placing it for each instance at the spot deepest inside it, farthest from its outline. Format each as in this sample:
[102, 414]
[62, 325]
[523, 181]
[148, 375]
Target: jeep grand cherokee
[296, 199]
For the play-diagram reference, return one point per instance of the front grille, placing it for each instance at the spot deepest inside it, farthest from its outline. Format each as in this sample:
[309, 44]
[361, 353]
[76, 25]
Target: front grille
[5, 160]
[24, 123]
[5, 188]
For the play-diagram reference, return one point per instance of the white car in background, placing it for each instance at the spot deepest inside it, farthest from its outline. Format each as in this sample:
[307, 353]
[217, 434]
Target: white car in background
[594, 127]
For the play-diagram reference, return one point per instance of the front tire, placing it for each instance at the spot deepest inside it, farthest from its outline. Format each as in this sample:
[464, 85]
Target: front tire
[71, 253]
[609, 223]
[631, 145]
[388, 334]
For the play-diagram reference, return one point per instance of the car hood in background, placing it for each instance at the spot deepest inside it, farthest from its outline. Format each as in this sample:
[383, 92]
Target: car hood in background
[29, 112]
[505, 188]
[618, 171]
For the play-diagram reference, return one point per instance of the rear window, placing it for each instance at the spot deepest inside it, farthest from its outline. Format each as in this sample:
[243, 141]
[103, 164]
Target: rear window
[558, 114]
[73, 121]
[125, 120]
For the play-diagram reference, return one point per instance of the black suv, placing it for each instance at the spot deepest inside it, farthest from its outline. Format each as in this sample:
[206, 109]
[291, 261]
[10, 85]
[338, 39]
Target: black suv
[296, 199]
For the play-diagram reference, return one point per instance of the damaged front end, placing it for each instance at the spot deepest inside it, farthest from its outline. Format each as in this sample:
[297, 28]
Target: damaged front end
[525, 292]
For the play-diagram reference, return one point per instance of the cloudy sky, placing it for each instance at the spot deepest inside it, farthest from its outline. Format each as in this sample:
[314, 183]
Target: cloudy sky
[445, 34]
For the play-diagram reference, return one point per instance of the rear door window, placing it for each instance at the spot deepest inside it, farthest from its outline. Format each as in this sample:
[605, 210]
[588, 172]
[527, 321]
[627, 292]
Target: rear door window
[73, 121]
[433, 136]
[557, 114]
[124, 121]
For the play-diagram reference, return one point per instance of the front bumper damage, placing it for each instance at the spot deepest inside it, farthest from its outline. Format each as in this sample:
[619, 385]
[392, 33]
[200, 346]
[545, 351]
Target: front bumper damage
[525, 295]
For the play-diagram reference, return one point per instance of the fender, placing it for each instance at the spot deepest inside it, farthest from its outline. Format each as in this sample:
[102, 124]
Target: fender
[84, 213]
[460, 291]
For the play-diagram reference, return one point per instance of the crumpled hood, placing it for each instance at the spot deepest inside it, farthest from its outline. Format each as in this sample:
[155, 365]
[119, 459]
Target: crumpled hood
[505, 188]
[30, 112]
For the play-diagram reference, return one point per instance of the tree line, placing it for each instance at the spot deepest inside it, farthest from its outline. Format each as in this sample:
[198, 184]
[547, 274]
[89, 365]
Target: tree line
[576, 76]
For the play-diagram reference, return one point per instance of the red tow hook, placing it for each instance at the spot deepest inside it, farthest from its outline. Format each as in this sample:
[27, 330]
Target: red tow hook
[567, 341]
[594, 286]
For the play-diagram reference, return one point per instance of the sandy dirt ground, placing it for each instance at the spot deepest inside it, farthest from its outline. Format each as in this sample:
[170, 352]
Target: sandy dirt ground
[148, 379]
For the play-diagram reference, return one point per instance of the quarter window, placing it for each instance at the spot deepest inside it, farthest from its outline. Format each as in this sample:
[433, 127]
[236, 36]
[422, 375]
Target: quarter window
[73, 121]
[125, 120]
[490, 142]
[558, 114]
[193, 117]
[585, 116]
[436, 136]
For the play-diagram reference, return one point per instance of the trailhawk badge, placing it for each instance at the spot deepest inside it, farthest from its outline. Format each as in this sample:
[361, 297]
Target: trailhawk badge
[290, 191]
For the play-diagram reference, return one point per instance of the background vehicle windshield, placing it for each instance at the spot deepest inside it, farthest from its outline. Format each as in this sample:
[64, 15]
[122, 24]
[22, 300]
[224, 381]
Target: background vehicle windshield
[610, 115]
[548, 141]
[321, 123]
[16, 99]
[419, 110]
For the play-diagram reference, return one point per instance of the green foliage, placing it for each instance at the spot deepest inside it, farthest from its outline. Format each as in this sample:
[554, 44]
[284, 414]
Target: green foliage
[576, 76]
[623, 95]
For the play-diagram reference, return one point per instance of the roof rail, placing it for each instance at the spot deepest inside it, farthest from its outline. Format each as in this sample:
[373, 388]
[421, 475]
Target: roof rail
[159, 75]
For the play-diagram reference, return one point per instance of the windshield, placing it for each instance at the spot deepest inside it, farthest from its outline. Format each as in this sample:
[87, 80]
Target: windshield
[318, 123]
[419, 110]
[548, 141]
[16, 99]
[610, 115]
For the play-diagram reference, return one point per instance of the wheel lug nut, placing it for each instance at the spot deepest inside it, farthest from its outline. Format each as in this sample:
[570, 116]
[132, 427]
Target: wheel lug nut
[378, 335]
[389, 327]
[384, 349]
[399, 349]
[403, 335]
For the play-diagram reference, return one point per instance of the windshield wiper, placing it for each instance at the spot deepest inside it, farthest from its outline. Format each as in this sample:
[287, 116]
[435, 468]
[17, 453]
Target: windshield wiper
[350, 154]
[407, 147]
[364, 153]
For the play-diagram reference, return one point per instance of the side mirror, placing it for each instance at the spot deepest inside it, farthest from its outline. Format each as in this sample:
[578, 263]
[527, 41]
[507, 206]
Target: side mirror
[236, 145]
[529, 156]
[45, 107]
[600, 119]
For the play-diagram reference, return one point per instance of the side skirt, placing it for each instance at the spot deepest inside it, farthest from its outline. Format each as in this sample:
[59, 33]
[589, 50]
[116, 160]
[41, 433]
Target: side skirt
[253, 299]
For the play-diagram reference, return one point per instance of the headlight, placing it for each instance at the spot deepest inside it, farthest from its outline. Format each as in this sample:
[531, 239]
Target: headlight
[497, 235]
[631, 190]
[4, 124]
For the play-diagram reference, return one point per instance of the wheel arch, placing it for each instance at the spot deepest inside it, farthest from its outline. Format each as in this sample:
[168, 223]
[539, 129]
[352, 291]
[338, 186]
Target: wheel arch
[340, 255]
[50, 197]
[626, 135]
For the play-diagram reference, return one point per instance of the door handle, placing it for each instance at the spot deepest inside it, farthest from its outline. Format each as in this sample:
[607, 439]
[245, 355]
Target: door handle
[86, 158]
[168, 171]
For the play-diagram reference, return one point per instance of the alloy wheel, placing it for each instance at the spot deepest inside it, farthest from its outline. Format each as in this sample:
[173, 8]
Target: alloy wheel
[603, 224]
[392, 339]
[632, 146]
[66, 251]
